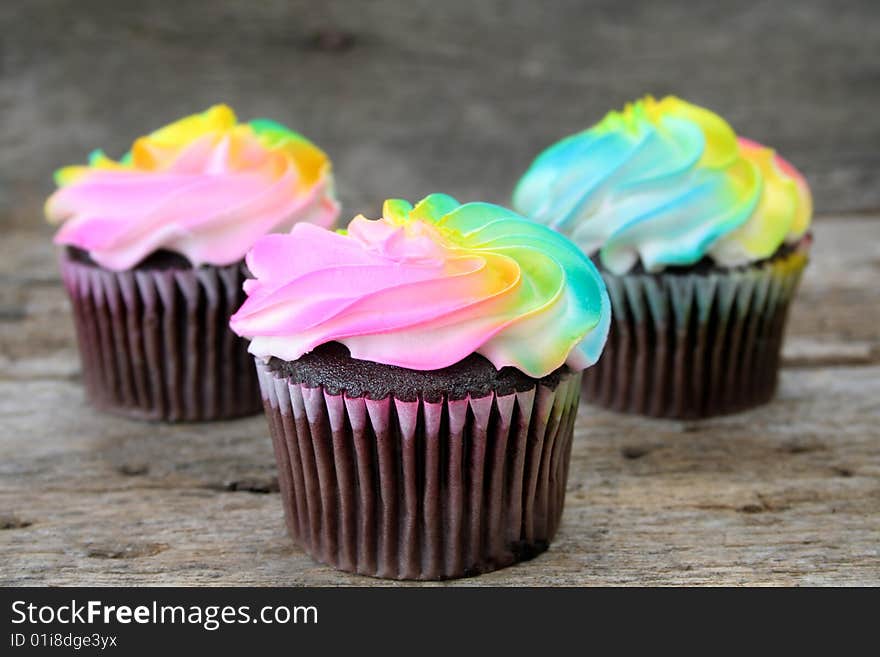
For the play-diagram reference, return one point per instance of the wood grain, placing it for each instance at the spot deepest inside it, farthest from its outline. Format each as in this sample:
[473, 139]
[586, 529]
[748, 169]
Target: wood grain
[415, 97]
[786, 494]
[407, 100]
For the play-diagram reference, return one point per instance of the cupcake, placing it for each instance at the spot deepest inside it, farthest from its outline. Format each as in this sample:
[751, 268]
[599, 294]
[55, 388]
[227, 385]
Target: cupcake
[701, 238]
[151, 254]
[420, 374]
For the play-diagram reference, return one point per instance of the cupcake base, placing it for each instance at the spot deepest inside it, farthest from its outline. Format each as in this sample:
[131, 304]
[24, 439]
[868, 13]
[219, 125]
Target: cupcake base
[421, 489]
[155, 342]
[695, 344]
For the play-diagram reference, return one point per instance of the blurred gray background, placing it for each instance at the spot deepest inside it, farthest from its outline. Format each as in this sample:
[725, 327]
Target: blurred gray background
[414, 97]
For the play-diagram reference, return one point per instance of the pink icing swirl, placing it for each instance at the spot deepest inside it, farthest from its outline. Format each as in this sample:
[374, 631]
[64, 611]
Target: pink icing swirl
[205, 187]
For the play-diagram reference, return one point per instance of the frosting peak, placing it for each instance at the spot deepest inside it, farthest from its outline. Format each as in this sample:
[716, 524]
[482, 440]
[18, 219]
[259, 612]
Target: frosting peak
[666, 183]
[205, 186]
[426, 286]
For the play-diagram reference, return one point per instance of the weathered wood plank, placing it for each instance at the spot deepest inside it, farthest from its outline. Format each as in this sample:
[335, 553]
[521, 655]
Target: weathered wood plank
[788, 494]
[416, 97]
[408, 99]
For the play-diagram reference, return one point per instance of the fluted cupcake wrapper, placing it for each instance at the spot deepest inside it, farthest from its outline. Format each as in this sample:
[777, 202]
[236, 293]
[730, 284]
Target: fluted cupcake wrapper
[694, 345]
[155, 344]
[418, 489]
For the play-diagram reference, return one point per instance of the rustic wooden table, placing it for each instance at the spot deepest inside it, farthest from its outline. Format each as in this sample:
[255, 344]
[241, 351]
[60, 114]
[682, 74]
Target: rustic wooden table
[412, 98]
[787, 494]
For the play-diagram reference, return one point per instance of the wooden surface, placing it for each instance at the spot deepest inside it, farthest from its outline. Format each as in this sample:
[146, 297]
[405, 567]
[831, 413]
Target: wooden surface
[421, 96]
[408, 99]
[787, 494]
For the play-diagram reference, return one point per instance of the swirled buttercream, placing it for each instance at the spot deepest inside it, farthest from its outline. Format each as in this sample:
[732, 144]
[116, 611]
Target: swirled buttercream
[426, 286]
[205, 187]
[666, 183]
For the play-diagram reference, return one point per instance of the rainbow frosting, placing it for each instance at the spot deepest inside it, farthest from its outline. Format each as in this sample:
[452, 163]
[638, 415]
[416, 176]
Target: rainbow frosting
[426, 286]
[206, 187]
[666, 183]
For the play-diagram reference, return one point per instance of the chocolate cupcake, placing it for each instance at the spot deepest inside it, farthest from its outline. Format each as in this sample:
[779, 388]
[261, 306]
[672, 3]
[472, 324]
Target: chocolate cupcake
[701, 238]
[420, 374]
[152, 250]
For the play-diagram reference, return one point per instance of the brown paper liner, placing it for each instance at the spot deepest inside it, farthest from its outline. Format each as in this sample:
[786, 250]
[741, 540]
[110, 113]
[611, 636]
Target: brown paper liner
[694, 345]
[155, 344]
[421, 490]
